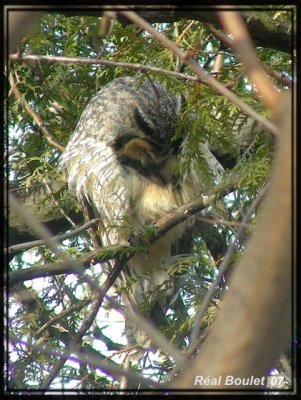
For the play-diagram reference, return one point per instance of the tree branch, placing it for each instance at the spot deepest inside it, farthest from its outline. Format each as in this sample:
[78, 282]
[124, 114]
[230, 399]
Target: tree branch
[229, 43]
[265, 31]
[222, 269]
[86, 324]
[61, 268]
[96, 61]
[122, 253]
[51, 140]
[83, 355]
[35, 243]
[75, 307]
[243, 44]
[261, 283]
[186, 57]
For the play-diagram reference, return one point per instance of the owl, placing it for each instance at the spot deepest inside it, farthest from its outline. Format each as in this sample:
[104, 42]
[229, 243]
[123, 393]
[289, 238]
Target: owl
[122, 160]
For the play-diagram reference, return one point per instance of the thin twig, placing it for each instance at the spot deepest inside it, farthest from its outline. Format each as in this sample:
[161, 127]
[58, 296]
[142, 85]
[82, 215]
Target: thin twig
[204, 77]
[86, 324]
[107, 63]
[157, 338]
[63, 314]
[106, 253]
[122, 351]
[278, 75]
[29, 245]
[242, 42]
[60, 208]
[222, 268]
[185, 31]
[96, 362]
[229, 43]
[32, 221]
[34, 115]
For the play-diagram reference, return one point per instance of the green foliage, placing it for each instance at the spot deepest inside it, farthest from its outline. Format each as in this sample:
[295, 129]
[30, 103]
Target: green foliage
[254, 165]
[58, 93]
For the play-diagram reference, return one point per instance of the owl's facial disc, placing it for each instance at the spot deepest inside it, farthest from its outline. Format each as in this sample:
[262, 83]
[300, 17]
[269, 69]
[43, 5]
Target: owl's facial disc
[140, 153]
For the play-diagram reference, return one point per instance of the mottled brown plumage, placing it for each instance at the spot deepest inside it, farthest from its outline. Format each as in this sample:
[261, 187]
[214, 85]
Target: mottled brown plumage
[122, 160]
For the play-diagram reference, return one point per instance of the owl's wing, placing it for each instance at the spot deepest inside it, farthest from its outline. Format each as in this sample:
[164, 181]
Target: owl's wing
[121, 160]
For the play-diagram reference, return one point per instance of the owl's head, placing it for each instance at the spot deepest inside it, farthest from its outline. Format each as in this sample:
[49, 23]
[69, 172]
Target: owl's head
[146, 141]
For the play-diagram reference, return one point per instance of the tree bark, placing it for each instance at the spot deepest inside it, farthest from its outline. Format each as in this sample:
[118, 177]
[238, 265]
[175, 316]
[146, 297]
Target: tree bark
[265, 30]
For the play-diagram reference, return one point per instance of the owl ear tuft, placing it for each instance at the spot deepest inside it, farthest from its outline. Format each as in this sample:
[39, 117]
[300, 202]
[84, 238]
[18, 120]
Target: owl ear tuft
[143, 124]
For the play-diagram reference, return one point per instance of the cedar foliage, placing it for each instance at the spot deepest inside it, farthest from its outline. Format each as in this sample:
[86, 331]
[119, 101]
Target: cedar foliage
[58, 93]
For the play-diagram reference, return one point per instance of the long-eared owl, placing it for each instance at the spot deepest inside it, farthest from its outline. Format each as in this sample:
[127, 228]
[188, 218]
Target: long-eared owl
[123, 160]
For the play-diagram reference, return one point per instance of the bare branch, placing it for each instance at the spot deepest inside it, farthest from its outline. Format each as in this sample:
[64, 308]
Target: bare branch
[229, 43]
[35, 243]
[75, 307]
[234, 24]
[111, 64]
[204, 77]
[60, 268]
[222, 269]
[185, 31]
[97, 362]
[86, 324]
[34, 115]
[123, 253]
[278, 75]
[261, 282]
[53, 245]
